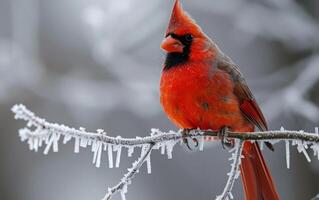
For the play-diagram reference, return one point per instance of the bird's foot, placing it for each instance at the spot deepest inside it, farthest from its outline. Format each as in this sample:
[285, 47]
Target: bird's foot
[226, 142]
[185, 133]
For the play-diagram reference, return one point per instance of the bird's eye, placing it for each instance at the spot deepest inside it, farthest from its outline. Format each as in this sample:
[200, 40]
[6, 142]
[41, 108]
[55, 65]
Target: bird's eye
[188, 37]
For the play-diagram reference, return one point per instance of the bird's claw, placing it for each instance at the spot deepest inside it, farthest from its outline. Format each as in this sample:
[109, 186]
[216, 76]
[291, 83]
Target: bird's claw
[222, 134]
[185, 133]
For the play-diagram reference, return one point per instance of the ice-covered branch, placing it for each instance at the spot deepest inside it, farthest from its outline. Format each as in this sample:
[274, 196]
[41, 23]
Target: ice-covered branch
[234, 173]
[44, 128]
[122, 185]
[39, 131]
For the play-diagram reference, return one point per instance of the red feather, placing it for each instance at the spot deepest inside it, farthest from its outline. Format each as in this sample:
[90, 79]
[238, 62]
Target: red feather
[253, 113]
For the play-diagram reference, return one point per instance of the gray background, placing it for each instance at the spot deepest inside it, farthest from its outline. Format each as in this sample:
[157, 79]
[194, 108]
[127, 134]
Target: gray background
[97, 64]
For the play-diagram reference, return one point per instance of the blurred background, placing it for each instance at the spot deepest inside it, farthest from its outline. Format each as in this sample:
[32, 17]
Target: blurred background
[97, 64]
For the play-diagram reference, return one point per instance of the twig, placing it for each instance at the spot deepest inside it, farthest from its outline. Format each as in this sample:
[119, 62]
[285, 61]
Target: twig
[234, 172]
[122, 185]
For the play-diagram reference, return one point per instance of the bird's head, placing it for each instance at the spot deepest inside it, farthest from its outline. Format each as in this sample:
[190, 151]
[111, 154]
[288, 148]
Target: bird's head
[184, 40]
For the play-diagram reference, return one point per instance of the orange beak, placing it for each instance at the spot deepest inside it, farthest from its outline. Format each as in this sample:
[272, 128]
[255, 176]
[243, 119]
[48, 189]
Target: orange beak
[171, 45]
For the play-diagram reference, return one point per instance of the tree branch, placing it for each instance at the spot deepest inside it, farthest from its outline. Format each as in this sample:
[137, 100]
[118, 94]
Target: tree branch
[21, 112]
[122, 185]
[40, 131]
[234, 172]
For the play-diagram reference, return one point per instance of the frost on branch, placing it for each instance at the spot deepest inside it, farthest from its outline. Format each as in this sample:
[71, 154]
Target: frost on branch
[234, 172]
[40, 133]
[126, 180]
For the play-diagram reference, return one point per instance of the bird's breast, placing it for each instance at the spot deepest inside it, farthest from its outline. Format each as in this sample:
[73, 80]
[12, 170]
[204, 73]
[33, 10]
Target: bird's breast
[199, 96]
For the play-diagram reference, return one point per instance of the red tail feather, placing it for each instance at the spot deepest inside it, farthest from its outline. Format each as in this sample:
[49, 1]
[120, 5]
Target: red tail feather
[257, 182]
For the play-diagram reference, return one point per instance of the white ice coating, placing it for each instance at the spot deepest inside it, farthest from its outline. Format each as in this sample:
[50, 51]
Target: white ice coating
[40, 133]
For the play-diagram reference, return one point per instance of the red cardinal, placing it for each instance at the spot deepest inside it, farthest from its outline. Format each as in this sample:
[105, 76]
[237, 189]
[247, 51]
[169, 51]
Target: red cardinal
[203, 88]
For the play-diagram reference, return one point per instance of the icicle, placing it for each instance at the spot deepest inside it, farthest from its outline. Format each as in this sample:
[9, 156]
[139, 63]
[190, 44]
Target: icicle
[110, 155]
[231, 195]
[123, 192]
[76, 144]
[287, 154]
[148, 164]
[83, 142]
[169, 149]
[36, 144]
[163, 149]
[237, 174]
[30, 142]
[99, 152]
[23, 133]
[118, 156]
[66, 138]
[100, 131]
[55, 142]
[130, 151]
[315, 148]
[46, 141]
[95, 147]
[261, 144]
[125, 187]
[302, 149]
[29, 124]
[49, 143]
[40, 142]
[202, 142]
[123, 195]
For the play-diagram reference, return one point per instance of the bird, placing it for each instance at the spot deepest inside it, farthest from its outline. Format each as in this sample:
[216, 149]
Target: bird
[201, 87]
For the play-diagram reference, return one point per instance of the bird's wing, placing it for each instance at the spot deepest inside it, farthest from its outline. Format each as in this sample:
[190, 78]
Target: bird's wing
[248, 104]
